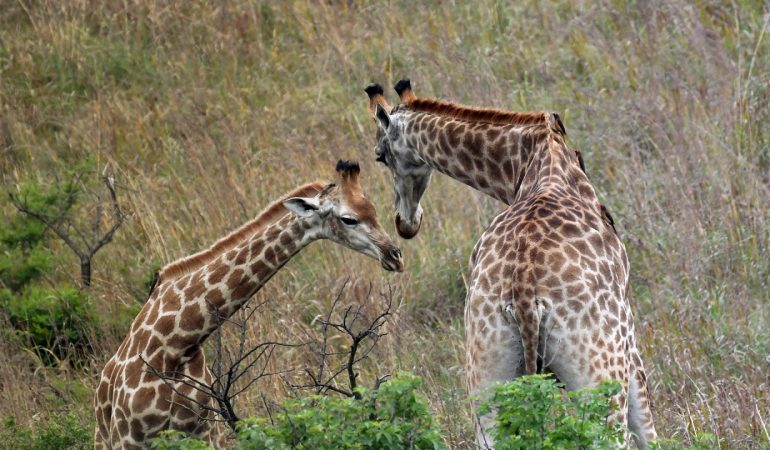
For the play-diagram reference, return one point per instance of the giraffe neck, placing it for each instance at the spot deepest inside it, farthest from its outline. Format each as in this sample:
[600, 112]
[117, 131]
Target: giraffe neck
[505, 161]
[182, 312]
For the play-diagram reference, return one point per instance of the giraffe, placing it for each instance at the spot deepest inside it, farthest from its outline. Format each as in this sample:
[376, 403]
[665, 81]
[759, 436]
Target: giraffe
[191, 296]
[548, 289]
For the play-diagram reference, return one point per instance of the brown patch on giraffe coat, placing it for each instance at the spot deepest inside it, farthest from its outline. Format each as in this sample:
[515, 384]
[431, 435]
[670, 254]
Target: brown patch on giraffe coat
[192, 318]
[164, 325]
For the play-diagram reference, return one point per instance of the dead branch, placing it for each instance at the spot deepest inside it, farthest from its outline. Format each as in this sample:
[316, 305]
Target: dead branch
[84, 245]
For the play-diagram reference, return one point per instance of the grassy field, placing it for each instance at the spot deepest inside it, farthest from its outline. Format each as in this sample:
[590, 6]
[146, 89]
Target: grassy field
[207, 111]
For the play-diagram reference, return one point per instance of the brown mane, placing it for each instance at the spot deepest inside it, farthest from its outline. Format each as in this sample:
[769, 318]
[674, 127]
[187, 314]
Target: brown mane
[488, 115]
[269, 215]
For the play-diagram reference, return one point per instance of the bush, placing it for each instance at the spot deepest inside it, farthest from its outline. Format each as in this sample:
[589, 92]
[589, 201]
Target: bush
[532, 413]
[52, 321]
[394, 416]
[60, 431]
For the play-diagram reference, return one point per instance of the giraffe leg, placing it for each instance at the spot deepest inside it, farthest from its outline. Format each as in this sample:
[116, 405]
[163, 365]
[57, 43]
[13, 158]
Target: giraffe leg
[579, 370]
[639, 413]
[493, 354]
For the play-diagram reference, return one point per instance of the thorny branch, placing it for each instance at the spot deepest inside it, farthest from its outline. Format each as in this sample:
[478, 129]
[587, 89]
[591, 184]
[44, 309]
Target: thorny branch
[362, 335]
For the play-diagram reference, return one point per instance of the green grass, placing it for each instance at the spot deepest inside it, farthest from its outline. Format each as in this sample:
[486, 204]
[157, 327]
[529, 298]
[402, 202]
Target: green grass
[206, 113]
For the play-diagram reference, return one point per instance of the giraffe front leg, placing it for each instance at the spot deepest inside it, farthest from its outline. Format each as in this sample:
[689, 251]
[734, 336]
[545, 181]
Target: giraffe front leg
[493, 355]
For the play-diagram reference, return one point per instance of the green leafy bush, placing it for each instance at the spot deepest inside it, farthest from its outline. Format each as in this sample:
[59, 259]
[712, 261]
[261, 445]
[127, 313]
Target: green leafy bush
[533, 413]
[52, 321]
[59, 431]
[394, 416]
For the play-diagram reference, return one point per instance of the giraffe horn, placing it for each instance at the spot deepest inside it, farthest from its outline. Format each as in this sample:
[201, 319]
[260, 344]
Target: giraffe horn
[404, 90]
[376, 96]
[348, 172]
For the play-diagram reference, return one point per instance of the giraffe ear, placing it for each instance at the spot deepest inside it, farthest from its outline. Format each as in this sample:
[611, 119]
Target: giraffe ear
[302, 206]
[382, 117]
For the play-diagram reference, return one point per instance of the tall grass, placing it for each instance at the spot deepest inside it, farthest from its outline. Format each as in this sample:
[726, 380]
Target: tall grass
[207, 111]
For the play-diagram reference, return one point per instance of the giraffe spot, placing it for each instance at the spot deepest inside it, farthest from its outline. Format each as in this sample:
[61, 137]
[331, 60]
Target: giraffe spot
[218, 273]
[195, 290]
[575, 305]
[153, 345]
[609, 325]
[191, 318]
[171, 301]
[242, 256]
[260, 269]
[256, 247]
[180, 342]
[235, 279]
[270, 256]
[133, 373]
[154, 421]
[142, 399]
[122, 427]
[137, 433]
[244, 289]
[214, 297]
[138, 340]
[164, 325]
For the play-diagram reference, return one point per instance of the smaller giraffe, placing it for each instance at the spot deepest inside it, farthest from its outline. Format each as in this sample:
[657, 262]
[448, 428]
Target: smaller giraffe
[193, 295]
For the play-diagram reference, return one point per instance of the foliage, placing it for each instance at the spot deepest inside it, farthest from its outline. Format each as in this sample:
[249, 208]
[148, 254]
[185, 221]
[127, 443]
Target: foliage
[394, 416]
[176, 440]
[532, 413]
[53, 321]
[24, 253]
[59, 431]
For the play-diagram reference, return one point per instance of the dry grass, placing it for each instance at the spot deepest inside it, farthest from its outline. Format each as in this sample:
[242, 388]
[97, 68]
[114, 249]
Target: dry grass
[207, 112]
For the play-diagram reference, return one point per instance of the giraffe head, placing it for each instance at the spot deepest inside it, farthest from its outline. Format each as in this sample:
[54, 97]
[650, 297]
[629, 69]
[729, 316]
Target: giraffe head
[411, 174]
[341, 213]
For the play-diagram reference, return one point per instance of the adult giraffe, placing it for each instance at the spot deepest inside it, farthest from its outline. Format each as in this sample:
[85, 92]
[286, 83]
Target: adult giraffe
[193, 295]
[549, 277]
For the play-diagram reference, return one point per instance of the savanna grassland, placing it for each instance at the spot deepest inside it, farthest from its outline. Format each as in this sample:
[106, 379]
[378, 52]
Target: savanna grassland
[204, 112]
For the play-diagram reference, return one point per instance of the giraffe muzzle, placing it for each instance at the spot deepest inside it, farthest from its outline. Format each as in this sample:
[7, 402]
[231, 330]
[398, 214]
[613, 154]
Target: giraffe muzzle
[392, 260]
[405, 230]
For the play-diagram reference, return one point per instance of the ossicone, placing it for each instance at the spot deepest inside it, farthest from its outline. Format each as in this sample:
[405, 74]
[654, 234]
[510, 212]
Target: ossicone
[404, 90]
[376, 97]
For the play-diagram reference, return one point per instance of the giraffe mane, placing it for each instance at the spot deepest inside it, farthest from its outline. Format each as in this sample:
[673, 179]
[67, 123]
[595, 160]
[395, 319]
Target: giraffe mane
[273, 212]
[488, 115]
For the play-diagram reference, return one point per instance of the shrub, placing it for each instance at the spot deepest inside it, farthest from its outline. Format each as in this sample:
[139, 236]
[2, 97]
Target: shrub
[59, 431]
[52, 321]
[394, 416]
[533, 413]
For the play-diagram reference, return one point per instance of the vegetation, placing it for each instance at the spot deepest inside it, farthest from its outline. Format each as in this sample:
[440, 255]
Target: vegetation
[205, 112]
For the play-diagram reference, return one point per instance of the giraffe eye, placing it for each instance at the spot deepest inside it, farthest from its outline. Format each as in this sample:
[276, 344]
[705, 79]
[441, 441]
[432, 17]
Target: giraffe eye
[349, 221]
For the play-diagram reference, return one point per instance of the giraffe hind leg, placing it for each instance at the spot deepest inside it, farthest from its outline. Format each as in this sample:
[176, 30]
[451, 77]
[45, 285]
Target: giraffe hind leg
[639, 412]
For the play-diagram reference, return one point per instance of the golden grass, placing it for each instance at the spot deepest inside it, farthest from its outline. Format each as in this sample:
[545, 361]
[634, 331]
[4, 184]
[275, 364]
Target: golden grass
[207, 112]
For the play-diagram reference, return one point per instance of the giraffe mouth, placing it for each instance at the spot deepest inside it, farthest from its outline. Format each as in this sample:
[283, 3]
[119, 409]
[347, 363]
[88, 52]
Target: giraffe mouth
[405, 230]
[392, 261]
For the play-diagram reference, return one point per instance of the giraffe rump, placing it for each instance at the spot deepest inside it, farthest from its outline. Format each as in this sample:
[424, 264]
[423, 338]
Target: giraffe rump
[269, 215]
[488, 115]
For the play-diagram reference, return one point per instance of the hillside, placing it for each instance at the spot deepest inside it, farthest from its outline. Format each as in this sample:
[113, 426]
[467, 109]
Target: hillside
[205, 112]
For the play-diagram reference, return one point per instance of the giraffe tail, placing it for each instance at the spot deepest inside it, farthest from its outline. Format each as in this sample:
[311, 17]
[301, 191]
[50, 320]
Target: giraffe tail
[528, 315]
